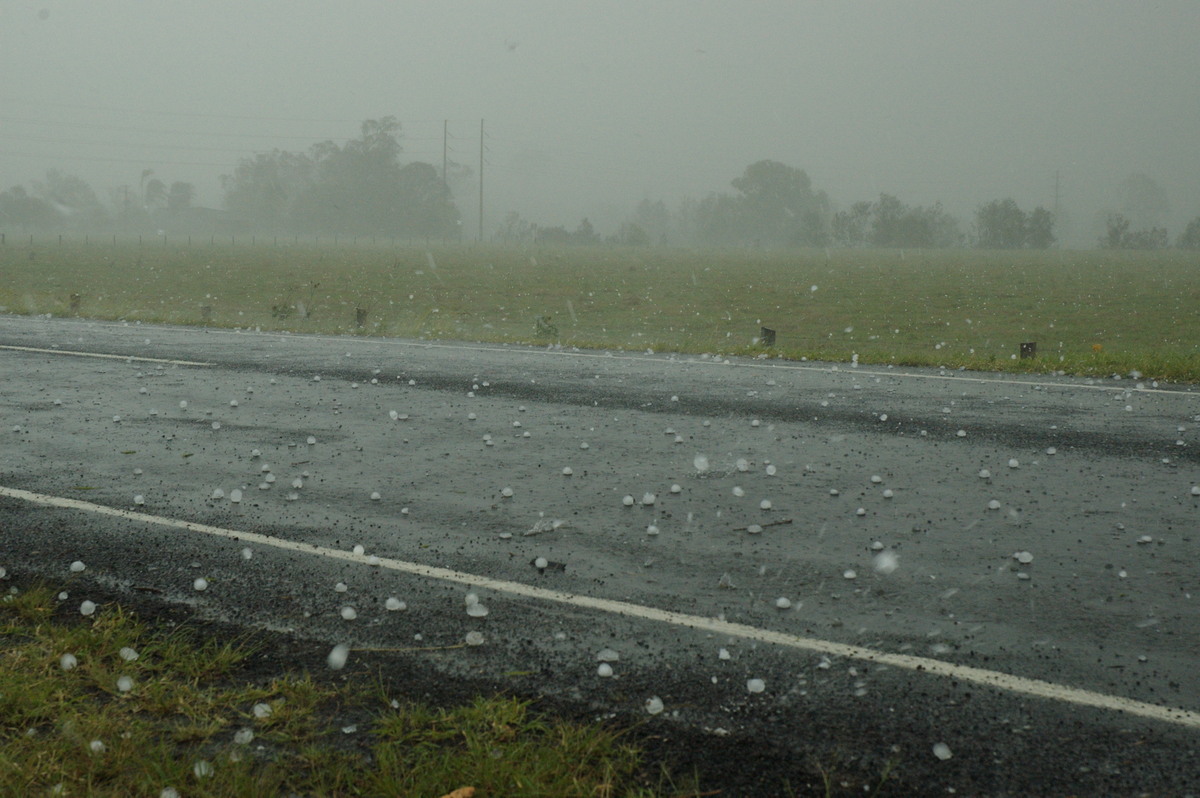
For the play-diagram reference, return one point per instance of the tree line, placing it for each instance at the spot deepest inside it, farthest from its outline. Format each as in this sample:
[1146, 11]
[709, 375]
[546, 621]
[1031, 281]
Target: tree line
[359, 188]
[776, 205]
[363, 187]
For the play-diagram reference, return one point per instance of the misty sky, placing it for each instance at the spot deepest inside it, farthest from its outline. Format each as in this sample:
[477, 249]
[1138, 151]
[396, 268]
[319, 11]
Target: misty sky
[590, 107]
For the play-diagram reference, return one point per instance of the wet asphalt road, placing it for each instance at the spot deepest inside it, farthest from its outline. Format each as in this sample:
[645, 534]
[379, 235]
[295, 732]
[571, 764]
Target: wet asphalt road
[1074, 560]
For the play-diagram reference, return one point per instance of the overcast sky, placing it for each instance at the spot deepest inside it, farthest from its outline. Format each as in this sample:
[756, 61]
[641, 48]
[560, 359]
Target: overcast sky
[590, 107]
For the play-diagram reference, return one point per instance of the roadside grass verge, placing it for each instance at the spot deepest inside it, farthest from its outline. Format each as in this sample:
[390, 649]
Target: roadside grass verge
[1091, 313]
[106, 706]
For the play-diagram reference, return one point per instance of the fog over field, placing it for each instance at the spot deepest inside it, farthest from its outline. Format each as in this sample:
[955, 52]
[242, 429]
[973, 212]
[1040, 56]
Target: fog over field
[590, 108]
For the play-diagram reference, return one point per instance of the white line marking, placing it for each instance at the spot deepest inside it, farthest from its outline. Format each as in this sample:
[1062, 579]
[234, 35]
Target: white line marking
[103, 355]
[994, 679]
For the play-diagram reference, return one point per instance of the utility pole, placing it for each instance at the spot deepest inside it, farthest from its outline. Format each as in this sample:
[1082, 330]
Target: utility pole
[445, 126]
[1056, 184]
[480, 181]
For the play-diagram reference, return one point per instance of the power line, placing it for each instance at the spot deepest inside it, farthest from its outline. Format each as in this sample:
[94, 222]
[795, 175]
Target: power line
[150, 131]
[98, 159]
[127, 144]
[183, 114]
[132, 129]
[198, 115]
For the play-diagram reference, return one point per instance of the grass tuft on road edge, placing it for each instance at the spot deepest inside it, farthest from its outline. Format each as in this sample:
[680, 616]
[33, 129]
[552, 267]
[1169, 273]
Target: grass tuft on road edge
[106, 706]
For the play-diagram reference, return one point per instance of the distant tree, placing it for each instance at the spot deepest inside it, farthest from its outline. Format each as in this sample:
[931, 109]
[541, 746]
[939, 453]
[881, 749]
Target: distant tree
[1000, 224]
[630, 234]
[122, 201]
[887, 221]
[585, 234]
[263, 190]
[717, 221]
[777, 205]
[1154, 238]
[851, 227]
[552, 235]
[1190, 239]
[154, 194]
[424, 204]
[1039, 229]
[812, 228]
[359, 188]
[1119, 236]
[897, 224]
[180, 196]
[1115, 231]
[1142, 201]
[515, 230]
[939, 228]
[72, 198]
[21, 211]
[459, 177]
[654, 219]
[355, 186]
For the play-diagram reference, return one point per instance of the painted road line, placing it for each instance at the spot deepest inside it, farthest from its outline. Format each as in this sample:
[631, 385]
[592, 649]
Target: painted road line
[106, 356]
[995, 679]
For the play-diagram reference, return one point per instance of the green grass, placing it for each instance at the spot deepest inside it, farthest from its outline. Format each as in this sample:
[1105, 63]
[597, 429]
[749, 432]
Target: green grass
[188, 723]
[1090, 313]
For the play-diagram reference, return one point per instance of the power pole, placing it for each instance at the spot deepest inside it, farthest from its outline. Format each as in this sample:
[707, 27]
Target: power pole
[1056, 184]
[445, 126]
[480, 181]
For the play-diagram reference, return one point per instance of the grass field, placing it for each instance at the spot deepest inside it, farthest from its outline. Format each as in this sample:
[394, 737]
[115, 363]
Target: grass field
[1092, 313]
[105, 706]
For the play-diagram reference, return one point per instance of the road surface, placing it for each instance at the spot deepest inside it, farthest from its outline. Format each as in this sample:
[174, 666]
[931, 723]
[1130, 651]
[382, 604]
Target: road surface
[990, 580]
